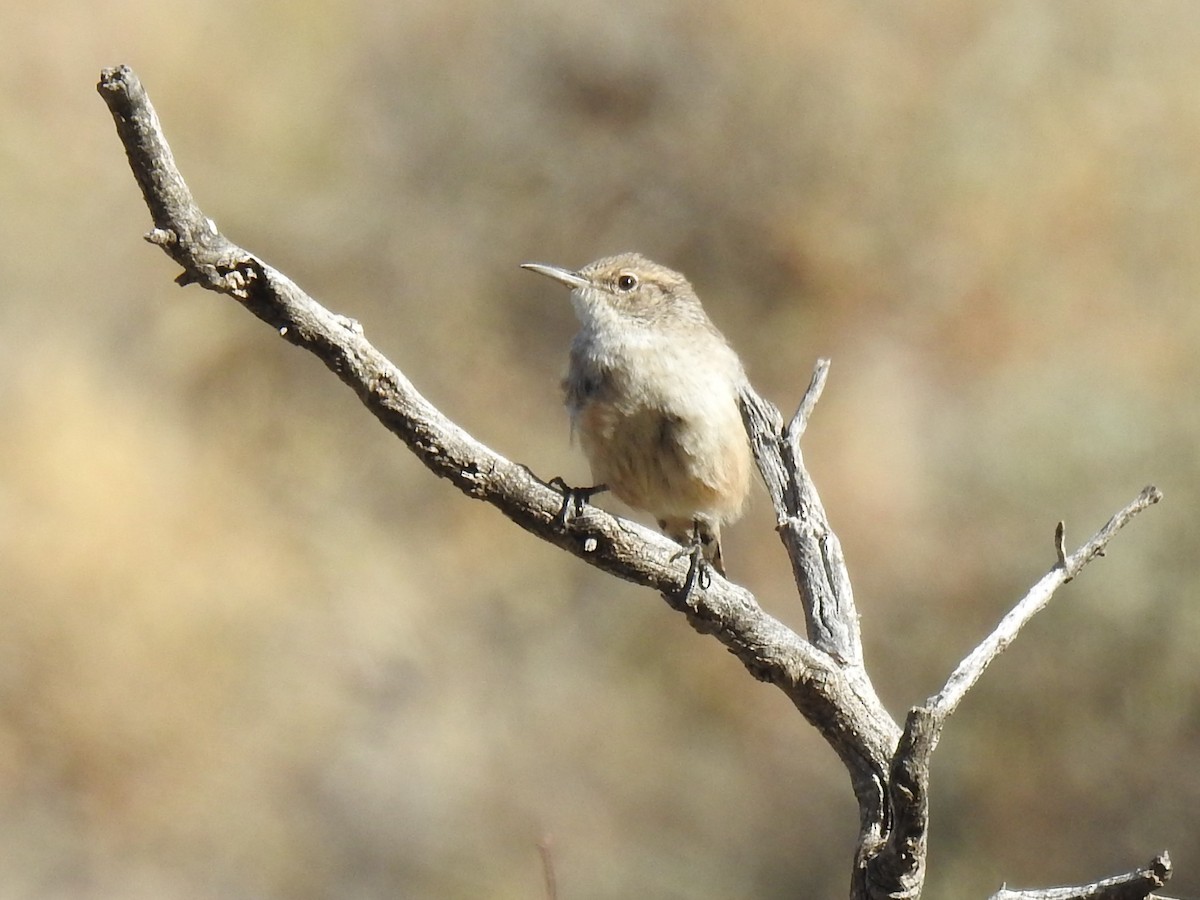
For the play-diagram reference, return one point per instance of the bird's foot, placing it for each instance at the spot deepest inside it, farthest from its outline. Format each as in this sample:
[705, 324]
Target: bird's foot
[699, 573]
[574, 500]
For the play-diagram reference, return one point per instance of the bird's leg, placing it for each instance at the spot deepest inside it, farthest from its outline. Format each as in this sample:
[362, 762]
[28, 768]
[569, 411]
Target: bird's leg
[574, 500]
[699, 568]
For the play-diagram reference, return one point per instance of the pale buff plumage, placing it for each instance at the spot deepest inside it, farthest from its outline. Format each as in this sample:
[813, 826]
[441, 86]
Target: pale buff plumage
[652, 389]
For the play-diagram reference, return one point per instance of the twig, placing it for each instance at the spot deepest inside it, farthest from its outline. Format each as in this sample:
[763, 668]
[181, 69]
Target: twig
[799, 423]
[972, 668]
[546, 851]
[1139, 884]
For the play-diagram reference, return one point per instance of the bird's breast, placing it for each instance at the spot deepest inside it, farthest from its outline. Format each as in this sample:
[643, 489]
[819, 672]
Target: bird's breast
[665, 435]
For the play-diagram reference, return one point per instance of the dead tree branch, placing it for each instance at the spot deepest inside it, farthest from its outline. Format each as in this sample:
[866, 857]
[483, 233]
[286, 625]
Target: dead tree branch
[816, 553]
[850, 717]
[909, 782]
[971, 669]
[1139, 884]
[823, 675]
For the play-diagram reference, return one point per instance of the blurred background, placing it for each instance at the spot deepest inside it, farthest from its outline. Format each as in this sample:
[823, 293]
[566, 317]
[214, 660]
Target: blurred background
[252, 648]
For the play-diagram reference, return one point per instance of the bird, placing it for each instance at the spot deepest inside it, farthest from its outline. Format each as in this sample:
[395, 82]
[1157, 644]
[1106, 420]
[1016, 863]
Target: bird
[652, 391]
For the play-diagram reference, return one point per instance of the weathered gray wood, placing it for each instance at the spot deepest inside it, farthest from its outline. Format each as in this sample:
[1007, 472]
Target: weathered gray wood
[823, 675]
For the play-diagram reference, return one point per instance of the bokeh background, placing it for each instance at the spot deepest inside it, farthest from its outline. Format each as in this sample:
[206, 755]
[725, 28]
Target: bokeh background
[251, 648]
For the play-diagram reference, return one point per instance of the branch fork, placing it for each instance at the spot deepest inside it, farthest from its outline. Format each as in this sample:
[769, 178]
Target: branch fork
[822, 673]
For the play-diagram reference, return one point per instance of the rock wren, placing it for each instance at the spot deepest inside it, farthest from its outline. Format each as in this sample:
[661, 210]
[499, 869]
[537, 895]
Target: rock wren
[652, 389]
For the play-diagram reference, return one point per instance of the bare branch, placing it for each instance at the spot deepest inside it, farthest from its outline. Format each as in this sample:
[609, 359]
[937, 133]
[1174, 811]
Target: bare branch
[902, 858]
[1139, 884]
[808, 403]
[849, 716]
[813, 547]
[972, 668]
[820, 573]
[823, 676]
[900, 862]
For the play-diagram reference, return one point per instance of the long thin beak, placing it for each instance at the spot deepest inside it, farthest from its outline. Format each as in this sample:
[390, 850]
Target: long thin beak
[563, 276]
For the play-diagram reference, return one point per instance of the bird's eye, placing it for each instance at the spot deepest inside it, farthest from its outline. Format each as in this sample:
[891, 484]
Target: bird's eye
[626, 281]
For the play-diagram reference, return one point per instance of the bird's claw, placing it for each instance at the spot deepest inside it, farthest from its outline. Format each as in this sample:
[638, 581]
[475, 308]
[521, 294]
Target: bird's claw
[574, 500]
[699, 574]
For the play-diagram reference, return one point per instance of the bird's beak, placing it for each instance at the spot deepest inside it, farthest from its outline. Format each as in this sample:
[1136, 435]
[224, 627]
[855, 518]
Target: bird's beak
[563, 276]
